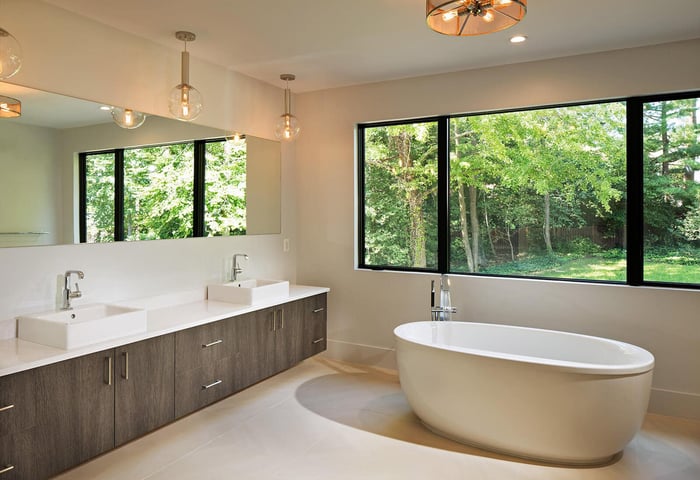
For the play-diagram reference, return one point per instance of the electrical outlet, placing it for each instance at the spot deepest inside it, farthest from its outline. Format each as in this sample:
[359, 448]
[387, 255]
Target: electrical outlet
[285, 245]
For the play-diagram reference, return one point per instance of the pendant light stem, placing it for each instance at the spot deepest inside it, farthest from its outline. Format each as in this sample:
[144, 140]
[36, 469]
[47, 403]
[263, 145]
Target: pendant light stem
[185, 68]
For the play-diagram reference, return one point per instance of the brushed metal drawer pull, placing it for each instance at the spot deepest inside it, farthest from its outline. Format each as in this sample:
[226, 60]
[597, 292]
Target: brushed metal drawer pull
[214, 384]
[3, 409]
[319, 310]
[7, 468]
[211, 344]
[281, 318]
[125, 374]
[109, 370]
[319, 340]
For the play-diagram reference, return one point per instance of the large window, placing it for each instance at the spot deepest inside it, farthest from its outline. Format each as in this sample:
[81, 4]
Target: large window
[600, 192]
[163, 191]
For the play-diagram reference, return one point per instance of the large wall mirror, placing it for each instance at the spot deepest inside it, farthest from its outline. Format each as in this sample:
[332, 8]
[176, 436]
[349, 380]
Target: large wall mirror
[40, 167]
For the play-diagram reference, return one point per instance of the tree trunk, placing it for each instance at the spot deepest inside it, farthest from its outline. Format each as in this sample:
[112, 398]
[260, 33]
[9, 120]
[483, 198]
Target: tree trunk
[510, 243]
[474, 217]
[488, 230]
[464, 224]
[547, 237]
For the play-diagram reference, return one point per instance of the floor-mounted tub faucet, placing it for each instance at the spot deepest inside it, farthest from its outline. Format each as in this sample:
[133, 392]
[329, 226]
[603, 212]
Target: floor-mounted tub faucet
[445, 310]
[68, 292]
[236, 269]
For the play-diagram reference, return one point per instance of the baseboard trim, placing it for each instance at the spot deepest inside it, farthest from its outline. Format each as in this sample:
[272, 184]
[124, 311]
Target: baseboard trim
[363, 354]
[674, 404]
[661, 401]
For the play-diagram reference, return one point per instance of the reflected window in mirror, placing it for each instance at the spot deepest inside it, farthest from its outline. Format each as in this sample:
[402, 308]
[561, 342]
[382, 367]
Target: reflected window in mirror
[178, 190]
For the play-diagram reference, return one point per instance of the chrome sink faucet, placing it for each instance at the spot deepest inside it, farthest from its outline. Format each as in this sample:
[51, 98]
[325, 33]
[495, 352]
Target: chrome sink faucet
[236, 269]
[68, 292]
[445, 310]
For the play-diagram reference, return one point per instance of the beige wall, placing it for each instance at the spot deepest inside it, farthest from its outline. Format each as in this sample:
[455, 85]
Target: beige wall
[365, 306]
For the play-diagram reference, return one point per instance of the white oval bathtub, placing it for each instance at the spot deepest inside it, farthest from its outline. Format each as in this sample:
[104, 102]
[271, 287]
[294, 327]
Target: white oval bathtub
[540, 394]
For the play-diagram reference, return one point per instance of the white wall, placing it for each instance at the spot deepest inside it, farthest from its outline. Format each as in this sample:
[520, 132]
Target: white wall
[71, 55]
[365, 306]
[29, 170]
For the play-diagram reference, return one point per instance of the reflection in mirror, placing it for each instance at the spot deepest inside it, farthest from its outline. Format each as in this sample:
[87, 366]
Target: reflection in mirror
[39, 171]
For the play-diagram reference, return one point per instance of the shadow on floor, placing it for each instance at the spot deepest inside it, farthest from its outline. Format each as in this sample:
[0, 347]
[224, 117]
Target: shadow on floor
[371, 400]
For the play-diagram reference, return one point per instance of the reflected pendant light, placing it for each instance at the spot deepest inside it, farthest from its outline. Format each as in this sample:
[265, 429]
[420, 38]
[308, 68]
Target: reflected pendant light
[185, 101]
[10, 55]
[287, 127]
[473, 17]
[10, 107]
[127, 118]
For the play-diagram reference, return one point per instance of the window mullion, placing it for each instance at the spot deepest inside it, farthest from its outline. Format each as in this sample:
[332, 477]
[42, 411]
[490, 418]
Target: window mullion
[443, 195]
[635, 192]
[119, 195]
[199, 188]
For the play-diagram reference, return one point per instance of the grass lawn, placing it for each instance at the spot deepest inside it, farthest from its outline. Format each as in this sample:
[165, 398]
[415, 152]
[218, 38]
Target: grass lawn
[601, 267]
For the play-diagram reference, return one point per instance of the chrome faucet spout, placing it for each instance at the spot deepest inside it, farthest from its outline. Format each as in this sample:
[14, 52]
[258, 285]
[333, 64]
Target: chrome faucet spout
[236, 269]
[68, 292]
[445, 310]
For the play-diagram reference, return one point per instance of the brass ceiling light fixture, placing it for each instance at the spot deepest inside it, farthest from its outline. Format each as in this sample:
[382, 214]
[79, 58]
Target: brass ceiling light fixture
[288, 127]
[473, 17]
[10, 107]
[185, 101]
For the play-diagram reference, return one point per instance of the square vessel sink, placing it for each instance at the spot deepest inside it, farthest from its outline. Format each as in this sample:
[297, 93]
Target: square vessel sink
[83, 325]
[248, 292]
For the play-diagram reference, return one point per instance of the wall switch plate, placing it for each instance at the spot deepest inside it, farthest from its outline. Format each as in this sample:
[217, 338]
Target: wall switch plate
[285, 245]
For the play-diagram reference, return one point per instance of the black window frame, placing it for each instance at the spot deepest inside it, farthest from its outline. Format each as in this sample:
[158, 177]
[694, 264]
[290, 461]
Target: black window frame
[198, 191]
[634, 197]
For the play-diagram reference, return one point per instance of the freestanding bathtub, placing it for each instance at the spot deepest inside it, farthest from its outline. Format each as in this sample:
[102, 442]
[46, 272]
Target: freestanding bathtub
[539, 394]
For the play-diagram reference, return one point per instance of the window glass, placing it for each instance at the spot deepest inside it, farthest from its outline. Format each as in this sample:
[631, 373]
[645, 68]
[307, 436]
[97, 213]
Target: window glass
[158, 192]
[400, 195]
[225, 188]
[672, 191]
[99, 197]
[539, 193]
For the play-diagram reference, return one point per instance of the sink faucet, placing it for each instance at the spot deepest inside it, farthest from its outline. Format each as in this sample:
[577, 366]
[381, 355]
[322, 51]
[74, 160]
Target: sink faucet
[236, 269]
[445, 310]
[68, 292]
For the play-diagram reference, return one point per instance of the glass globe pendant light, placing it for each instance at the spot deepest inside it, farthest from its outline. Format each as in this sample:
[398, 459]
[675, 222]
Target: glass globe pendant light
[185, 101]
[127, 118]
[10, 55]
[287, 127]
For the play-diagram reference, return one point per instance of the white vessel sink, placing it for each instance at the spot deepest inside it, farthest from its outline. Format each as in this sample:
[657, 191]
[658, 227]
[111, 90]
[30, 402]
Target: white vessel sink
[248, 292]
[83, 325]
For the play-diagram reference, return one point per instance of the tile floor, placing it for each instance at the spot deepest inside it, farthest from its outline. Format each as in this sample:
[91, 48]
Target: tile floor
[329, 420]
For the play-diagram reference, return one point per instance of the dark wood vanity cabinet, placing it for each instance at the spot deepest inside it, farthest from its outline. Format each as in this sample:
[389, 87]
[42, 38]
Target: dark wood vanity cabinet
[55, 417]
[144, 381]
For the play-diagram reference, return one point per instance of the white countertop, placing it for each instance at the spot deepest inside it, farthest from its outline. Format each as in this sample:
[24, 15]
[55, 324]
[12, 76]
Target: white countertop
[18, 355]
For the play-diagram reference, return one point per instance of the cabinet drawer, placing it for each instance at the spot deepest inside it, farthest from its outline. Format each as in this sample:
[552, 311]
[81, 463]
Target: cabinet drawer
[201, 386]
[17, 457]
[200, 346]
[17, 403]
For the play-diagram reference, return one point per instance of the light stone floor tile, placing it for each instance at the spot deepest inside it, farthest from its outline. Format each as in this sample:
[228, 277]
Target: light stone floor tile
[330, 420]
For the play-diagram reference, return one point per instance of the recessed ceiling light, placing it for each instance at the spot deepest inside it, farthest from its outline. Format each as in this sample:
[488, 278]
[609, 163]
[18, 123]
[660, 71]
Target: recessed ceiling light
[105, 108]
[518, 38]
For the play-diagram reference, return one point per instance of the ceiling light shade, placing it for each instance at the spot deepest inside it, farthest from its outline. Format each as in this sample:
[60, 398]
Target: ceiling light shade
[10, 107]
[10, 55]
[128, 118]
[473, 17]
[185, 101]
[287, 127]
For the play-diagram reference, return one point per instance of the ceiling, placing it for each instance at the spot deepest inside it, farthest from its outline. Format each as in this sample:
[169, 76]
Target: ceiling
[333, 43]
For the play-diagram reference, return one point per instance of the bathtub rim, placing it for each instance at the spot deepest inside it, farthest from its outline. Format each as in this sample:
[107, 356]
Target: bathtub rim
[645, 359]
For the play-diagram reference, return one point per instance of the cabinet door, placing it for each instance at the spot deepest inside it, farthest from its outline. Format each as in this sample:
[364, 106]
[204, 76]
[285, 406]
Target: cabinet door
[74, 412]
[255, 337]
[17, 404]
[288, 329]
[315, 322]
[18, 458]
[145, 387]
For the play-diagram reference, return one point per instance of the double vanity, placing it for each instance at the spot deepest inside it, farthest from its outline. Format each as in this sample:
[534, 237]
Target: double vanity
[74, 386]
